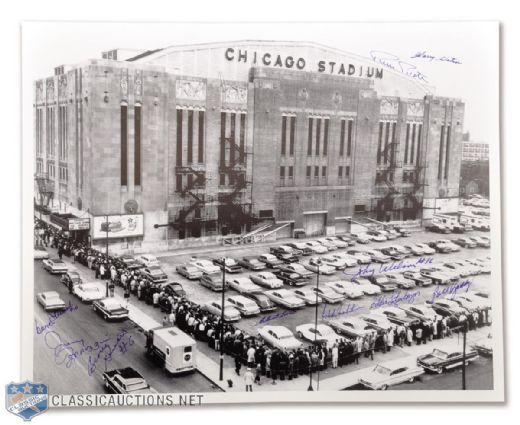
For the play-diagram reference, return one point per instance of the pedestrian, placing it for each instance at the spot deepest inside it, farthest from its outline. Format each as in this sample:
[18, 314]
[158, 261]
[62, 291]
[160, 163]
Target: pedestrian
[258, 374]
[165, 321]
[127, 296]
[249, 379]
[335, 355]
[251, 356]
[238, 364]
[70, 285]
[418, 335]
[111, 287]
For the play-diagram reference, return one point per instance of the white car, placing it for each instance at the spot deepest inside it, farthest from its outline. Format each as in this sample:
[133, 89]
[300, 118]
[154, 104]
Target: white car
[348, 289]
[285, 298]
[40, 254]
[267, 280]
[427, 250]
[307, 295]
[361, 237]
[148, 260]
[386, 374]
[297, 268]
[50, 301]
[328, 295]
[348, 260]
[337, 263]
[336, 241]
[88, 292]
[54, 266]
[231, 314]
[205, 266]
[351, 327]
[246, 306]
[243, 285]
[366, 286]
[402, 250]
[482, 302]
[320, 334]
[484, 268]
[420, 311]
[279, 337]
[316, 247]
[328, 244]
[377, 321]
[362, 257]
[315, 264]
[377, 256]
[270, 260]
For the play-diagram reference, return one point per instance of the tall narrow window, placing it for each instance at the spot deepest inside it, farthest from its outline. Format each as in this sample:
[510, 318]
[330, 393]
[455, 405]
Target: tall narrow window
[200, 151]
[349, 138]
[308, 172]
[284, 134]
[393, 143]
[318, 136]
[137, 145]
[419, 131]
[232, 144]
[179, 138]
[291, 135]
[222, 139]
[325, 136]
[178, 182]
[447, 163]
[190, 137]
[290, 172]
[124, 145]
[407, 140]
[316, 172]
[242, 138]
[412, 147]
[387, 135]
[340, 172]
[309, 137]
[379, 142]
[342, 138]
[441, 149]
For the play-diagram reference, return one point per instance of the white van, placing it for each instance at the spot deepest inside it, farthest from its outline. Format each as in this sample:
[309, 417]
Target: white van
[174, 349]
[148, 260]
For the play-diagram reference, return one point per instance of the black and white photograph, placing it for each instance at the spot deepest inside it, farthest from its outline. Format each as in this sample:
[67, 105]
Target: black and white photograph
[305, 212]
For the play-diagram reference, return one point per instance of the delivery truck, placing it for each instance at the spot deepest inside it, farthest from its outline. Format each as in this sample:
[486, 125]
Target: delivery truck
[172, 348]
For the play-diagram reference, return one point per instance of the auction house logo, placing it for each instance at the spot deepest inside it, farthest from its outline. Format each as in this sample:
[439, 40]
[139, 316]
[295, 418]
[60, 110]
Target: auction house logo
[26, 399]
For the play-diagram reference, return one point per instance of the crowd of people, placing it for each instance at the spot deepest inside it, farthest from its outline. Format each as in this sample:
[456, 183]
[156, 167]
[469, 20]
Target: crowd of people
[249, 350]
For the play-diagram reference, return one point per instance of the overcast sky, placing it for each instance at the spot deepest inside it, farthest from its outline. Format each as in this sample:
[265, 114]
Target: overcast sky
[475, 45]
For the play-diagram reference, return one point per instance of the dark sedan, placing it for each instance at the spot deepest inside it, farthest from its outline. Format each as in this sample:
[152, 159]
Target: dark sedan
[440, 361]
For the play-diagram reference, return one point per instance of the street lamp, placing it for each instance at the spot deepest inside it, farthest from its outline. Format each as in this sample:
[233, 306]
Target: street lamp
[222, 319]
[318, 264]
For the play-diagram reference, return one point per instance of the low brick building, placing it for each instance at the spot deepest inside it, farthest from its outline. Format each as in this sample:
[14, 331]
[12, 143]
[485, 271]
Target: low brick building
[187, 143]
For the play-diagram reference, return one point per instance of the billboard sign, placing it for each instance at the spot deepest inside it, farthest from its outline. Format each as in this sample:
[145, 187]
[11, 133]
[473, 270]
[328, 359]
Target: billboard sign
[118, 226]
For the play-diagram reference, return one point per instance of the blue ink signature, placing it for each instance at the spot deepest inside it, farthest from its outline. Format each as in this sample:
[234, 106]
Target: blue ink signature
[66, 353]
[274, 316]
[52, 317]
[431, 58]
[384, 268]
[395, 299]
[340, 311]
[450, 289]
[394, 63]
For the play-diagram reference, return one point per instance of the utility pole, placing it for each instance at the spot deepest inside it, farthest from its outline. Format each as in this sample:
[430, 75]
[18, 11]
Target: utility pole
[464, 331]
[222, 320]
[318, 264]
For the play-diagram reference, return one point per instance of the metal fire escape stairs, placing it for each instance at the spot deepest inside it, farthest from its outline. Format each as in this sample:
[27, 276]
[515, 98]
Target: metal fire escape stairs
[45, 188]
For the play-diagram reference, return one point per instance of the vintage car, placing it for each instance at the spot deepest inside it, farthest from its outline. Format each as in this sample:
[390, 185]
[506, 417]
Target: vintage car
[54, 266]
[394, 372]
[174, 289]
[316, 247]
[279, 337]
[243, 285]
[40, 254]
[377, 256]
[393, 253]
[465, 242]
[148, 260]
[352, 327]
[88, 292]
[189, 271]
[420, 311]
[155, 274]
[437, 277]
[267, 280]
[448, 308]
[481, 241]
[383, 282]
[376, 235]
[231, 314]
[130, 262]
[347, 238]
[366, 286]
[252, 263]
[270, 260]
[285, 298]
[328, 295]
[444, 246]
[360, 256]
[229, 264]
[440, 361]
[417, 278]
[245, 306]
[477, 298]
[336, 241]
[398, 316]
[346, 259]
[402, 250]
[110, 309]
[296, 268]
[315, 265]
[361, 237]
[317, 334]
[126, 381]
[471, 269]
[328, 244]
[300, 248]
[72, 276]
[400, 281]
[332, 261]
[426, 250]
[307, 295]
[484, 267]
[346, 288]
[291, 278]
[483, 346]
[205, 266]
[402, 231]
[263, 302]
[212, 281]
[50, 301]
[285, 253]
[379, 322]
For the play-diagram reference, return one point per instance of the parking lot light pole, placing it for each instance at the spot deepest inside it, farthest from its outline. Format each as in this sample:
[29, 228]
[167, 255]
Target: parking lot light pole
[318, 263]
[222, 320]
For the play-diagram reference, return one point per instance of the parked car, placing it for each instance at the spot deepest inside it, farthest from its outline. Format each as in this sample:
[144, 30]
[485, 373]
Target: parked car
[279, 337]
[417, 278]
[481, 241]
[251, 263]
[361, 256]
[420, 311]
[471, 269]
[263, 302]
[328, 295]
[50, 301]
[400, 281]
[460, 269]
[285, 298]
[291, 278]
[383, 282]
[402, 250]
[351, 327]
[126, 381]
[441, 360]
[377, 256]
[345, 288]
[438, 228]
[384, 375]
[465, 302]
[317, 334]
[229, 264]
[346, 259]
[54, 266]
[174, 289]
[154, 273]
[441, 246]
[366, 286]
[72, 276]
[110, 309]
[484, 268]
[316, 247]
[398, 316]
[245, 306]
[379, 322]
[308, 296]
[437, 277]
[300, 248]
[317, 266]
[267, 280]
[243, 285]
[231, 314]
[465, 242]
[88, 292]
[189, 271]
[212, 281]
[337, 263]
[483, 346]
[148, 260]
[328, 244]
[361, 237]
[478, 299]
[377, 236]
[427, 250]
[393, 253]
[402, 231]
[448, 308]
[336, 241]
[205, 266]
[130, 262]
[40, 254]
[296, 268]
[270, 261]
[285, 253]
[348, 239]
[394, 234]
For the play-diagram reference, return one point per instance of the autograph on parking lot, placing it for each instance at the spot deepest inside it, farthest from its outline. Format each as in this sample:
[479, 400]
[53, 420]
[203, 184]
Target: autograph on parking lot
[371, 269]
[395, 299]
[439, 292]
[53, 317]
[275, 316]
[344, 310]
[66, 353]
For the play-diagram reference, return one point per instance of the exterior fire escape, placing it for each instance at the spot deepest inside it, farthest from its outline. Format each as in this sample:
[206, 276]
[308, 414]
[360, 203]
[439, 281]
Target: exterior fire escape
[45, 189]
[389, 155]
